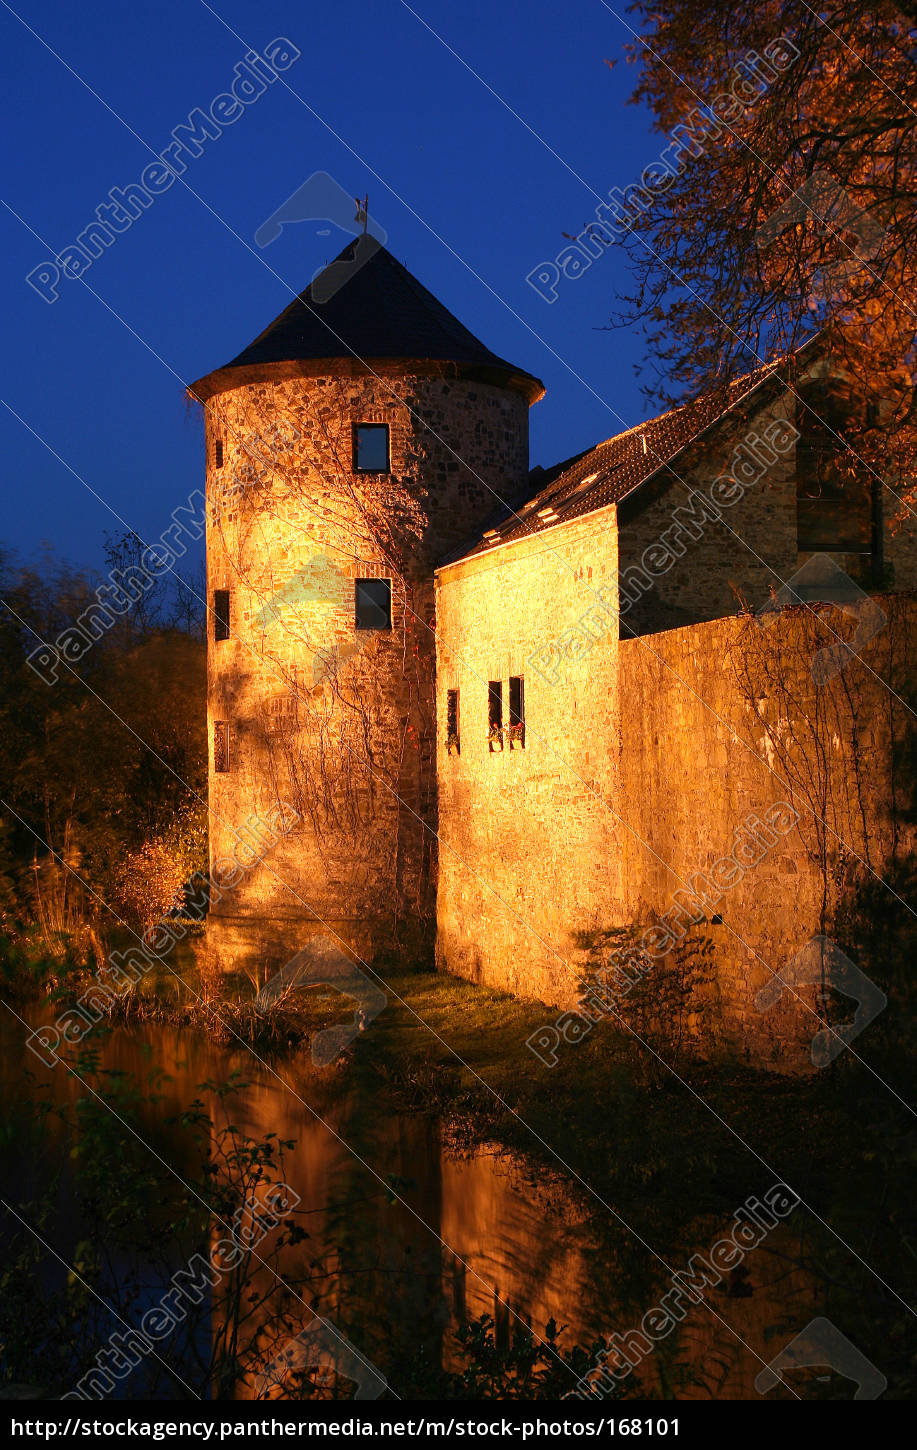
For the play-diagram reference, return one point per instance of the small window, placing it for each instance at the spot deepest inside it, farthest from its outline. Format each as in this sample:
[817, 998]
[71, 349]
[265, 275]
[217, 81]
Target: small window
[453, 744]
[495, 715]
[370, 448]
[218, 453]
[374, 603]
[221, 745]
[516, 712]
[220, 614]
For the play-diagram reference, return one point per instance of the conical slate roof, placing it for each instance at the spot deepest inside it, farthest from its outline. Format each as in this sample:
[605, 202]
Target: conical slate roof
[366, 305]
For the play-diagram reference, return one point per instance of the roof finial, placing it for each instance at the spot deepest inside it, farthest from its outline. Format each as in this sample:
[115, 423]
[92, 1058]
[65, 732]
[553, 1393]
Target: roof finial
[362, 211]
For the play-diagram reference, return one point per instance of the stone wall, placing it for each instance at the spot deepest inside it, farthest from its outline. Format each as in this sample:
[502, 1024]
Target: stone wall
[338, 722]
[717, 529]
[725, 728]
[527, 836]
[700, 788]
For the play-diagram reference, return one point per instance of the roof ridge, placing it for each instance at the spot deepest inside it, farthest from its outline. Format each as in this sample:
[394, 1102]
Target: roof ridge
[757, 373]
[593, 480]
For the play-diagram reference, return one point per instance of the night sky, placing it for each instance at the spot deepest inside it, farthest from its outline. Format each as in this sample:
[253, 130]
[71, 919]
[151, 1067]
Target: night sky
[471, 201]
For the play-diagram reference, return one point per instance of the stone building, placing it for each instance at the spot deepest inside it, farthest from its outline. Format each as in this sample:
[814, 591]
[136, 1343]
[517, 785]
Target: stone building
[349, 449]
[519, 714]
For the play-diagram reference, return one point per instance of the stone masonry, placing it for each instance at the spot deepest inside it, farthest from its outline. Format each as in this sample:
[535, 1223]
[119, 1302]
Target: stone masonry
[578, 723]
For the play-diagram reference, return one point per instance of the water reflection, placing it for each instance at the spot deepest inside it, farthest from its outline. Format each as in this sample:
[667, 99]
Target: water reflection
[406, 1238]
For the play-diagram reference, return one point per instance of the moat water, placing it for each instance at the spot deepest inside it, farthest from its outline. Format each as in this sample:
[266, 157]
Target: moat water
[408, 1235]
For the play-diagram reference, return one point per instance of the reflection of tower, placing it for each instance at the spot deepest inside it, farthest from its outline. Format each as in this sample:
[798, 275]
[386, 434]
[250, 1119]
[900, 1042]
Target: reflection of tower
[391, 1253]
[349, 448]
[284, 1280]
[371, 1269]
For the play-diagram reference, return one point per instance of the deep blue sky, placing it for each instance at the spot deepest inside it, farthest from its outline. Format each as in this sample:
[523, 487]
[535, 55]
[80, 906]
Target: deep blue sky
[472, 192]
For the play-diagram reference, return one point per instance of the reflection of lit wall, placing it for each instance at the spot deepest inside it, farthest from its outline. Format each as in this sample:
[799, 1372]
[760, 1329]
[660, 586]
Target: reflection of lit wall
[715, 1360]
[392, 1286]
[527, 1252]
[515, 1248]
[378, 1272]
[313, 1170]
[530, 1247]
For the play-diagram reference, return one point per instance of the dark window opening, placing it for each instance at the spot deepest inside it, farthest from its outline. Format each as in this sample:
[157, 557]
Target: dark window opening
[516, 712]
[370, 448]
[221, 745]
[453, 742]
[218, 452]
[374, 603]
[495, 715]
[220, 614]
[835, 506]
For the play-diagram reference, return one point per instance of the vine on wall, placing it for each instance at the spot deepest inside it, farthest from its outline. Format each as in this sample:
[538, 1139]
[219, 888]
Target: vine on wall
[352, 747]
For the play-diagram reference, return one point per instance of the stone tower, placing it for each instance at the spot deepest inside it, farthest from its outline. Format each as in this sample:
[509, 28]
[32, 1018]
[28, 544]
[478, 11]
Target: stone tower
[358, 440]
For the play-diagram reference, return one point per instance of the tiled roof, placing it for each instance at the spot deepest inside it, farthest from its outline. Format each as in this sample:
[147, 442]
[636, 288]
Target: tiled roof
[378, 311]
[608, 473]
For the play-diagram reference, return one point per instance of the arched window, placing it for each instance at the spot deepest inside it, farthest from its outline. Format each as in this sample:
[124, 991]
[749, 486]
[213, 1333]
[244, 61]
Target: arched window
[835, 498]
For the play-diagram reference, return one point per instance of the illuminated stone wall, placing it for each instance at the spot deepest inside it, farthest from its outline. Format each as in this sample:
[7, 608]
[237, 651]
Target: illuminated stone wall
[654, 767]
[334, 721]
[725, 727]
[528, 837]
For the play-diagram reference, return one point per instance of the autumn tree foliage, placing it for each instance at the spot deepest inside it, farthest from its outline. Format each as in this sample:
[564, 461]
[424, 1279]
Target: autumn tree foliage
[790, 205]
[103, 773]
